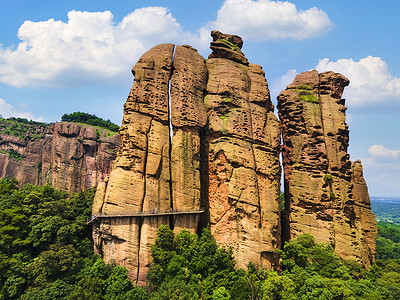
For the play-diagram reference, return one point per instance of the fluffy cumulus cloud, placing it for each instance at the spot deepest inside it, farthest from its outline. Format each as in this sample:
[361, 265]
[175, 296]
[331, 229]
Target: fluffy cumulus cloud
[382, 170]
[7, 111]
[88, 48]
[370, 80]
[91, 48]
[382, 151]
[262, 20]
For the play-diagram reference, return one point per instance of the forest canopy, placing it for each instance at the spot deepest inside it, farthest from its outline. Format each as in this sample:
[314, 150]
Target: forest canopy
[85, 118]
[46, 252]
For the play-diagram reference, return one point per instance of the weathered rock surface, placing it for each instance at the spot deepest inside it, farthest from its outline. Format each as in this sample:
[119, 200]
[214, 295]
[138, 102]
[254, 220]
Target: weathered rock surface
[216, 147]
[140, 179]
[188, 117]
[243, 141]
[201, 134]
[325, 194]
[69, 156]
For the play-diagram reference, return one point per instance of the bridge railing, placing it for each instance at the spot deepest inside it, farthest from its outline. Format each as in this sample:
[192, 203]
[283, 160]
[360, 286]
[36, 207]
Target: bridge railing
[150, 213]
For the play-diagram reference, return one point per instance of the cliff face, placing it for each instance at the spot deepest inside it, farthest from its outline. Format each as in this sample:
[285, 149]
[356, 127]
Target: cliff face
[243, 141]
[69, 156]
[200, 146]
[325, 193]
[214, 147]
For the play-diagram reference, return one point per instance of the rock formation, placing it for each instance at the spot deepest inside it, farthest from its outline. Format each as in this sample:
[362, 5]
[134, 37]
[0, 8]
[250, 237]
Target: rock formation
[243, 141]
[196, 135]
[69, 156]
[199, 146]
[325, 194]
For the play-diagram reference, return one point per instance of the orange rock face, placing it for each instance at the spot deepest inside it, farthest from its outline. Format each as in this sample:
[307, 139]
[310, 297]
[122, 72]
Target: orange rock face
[69, 156]
[200, 146]
[243, 140]
[325, 194]
[196, 136]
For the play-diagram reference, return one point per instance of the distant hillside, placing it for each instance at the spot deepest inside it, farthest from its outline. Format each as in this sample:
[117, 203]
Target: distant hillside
[68, 155]
[386, 209]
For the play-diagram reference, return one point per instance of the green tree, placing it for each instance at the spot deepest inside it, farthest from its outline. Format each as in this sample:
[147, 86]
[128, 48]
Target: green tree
[221, 294]
[186, 266]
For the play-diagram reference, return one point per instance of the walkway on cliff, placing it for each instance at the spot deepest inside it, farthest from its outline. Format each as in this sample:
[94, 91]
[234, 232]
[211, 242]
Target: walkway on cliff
[152, 213]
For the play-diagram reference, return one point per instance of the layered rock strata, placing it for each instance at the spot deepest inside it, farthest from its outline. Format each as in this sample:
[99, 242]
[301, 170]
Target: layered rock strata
[325, 193]
[69, 156]
[196, 135]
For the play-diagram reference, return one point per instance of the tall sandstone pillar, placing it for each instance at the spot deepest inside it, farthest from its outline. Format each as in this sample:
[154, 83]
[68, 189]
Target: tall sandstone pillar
[140, 178]
[325, 193]
[188, 117]
[243, 141]
[196, 135]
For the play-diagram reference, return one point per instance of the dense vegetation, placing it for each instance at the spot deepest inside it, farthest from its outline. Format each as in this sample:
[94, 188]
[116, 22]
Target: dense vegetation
[388, 241]
[22, 128]
[80, 117]
[189, 268]
[46, 253]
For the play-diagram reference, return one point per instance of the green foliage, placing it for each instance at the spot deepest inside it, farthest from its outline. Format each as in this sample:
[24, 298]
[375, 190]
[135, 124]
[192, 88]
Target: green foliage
[85, 118]
[305, 93]
[46, 253]
[182, 269]
[309, 98]
[231, 45]
[306, 87]
[388, 241]
[328, 178]
[46, 250]
[22, 128]
[221, 294]
[15, 155]
[282, 200]
[190, 267]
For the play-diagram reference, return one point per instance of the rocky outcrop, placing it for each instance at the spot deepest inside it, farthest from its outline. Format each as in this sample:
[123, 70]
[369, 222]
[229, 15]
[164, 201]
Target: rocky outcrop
[325, 194]
[243, 141]
[140, 179]
[214, 147]
[69, 156]
[188, 117]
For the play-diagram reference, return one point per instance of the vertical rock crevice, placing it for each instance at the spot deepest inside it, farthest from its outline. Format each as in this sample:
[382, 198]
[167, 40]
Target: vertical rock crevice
[202, 133]
[188, 82]
[195, 133]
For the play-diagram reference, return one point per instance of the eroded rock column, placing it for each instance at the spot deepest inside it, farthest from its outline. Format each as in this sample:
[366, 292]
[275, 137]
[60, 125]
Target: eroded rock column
[221, 155]
[188, 117]
[243, 144]
[324, 194]
[140, 179]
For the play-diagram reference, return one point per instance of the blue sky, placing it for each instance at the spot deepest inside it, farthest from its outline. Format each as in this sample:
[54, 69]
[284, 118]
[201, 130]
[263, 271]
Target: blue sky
[58, 57]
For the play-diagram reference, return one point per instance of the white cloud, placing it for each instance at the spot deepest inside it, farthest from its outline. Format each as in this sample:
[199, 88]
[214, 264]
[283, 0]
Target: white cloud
[381, 151]
[262, 20]
[91, 48]
[370, 80]
[7, 110]
[88, 48]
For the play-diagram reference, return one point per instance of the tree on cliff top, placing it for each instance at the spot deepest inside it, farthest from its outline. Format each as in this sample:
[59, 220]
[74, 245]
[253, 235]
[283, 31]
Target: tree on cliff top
[85, 118]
